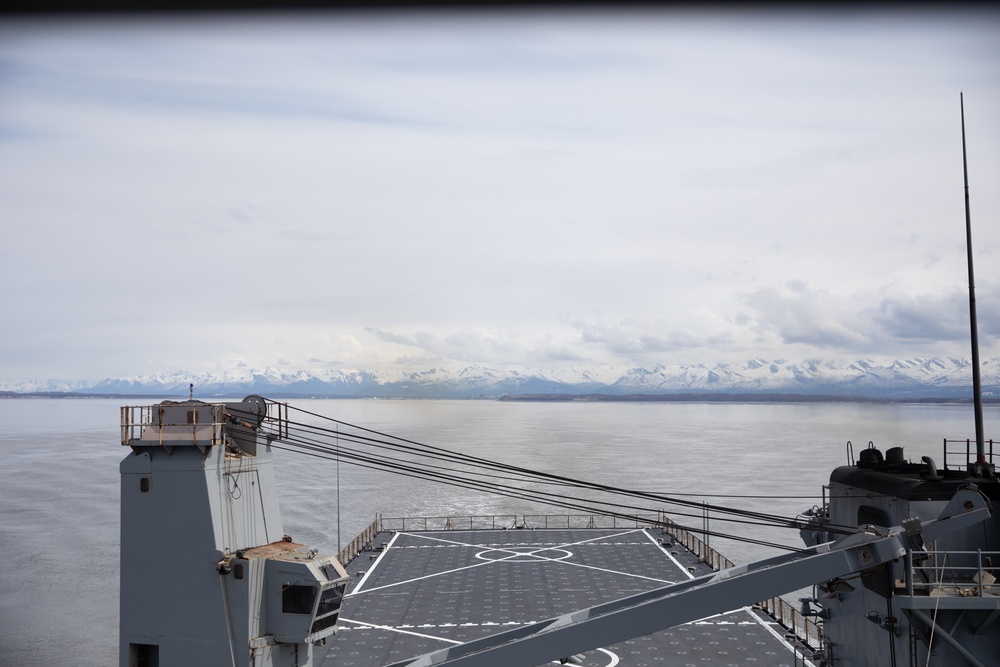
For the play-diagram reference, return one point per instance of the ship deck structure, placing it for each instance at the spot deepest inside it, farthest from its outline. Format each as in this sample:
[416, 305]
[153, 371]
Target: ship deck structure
[415, 591]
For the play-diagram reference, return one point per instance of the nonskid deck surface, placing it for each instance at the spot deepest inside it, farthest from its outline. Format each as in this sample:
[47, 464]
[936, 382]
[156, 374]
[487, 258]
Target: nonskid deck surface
[429, 590]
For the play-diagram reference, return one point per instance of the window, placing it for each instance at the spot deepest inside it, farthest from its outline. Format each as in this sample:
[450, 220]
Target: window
[329, 601]
[298, 599]
[323, 623]
[868, 515]
[143, 655]
[329, 608]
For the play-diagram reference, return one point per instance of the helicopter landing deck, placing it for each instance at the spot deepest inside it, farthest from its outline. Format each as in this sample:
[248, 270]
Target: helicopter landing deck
[422, 591]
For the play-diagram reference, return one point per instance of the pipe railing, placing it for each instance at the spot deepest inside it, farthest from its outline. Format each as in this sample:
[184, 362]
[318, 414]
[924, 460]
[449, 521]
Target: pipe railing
[969, 452]
[952, 573]
[588, 521]
[470, 522]
[359, 543]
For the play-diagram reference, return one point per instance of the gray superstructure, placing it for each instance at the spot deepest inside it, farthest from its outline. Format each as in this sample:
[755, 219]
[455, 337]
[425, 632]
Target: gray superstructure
[940, 604]
[208, 576]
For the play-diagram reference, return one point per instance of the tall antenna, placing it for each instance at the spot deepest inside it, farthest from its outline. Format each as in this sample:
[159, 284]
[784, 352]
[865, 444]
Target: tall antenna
[977, 387]
[338, 489]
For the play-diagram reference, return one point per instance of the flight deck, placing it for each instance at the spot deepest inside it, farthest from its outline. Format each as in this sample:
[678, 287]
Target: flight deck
[418, 591]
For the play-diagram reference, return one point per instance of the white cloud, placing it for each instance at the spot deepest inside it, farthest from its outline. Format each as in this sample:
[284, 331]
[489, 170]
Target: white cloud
[617, 188]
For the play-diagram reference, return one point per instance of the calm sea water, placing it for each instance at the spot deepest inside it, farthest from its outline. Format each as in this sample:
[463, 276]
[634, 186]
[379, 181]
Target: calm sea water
[59, 495]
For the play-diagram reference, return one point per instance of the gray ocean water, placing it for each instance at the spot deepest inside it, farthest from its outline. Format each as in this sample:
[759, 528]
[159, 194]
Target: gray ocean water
[59, 495]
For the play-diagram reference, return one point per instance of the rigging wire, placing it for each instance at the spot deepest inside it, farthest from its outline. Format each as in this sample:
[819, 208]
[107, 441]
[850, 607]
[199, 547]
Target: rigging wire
[444, 454]
[579, 506]
[766, 519]
[460, 478]
[475, 473]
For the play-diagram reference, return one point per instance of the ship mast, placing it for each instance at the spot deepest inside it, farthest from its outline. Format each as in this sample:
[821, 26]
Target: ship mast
[977, 388]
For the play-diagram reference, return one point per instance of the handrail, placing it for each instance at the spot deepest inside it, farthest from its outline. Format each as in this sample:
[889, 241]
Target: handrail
[970, 453]
[513, 521]
[468, 522]
[589, 521]
[365, 538]
[952, 573]
[174, 423]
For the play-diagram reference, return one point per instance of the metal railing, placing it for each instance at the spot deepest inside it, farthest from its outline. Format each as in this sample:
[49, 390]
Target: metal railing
[175, 423]
[696, 545]
[588, 521]
[952, 573]
[508, 521]
[956, 451]
[470, 522]
[276, 420]
[359, 543]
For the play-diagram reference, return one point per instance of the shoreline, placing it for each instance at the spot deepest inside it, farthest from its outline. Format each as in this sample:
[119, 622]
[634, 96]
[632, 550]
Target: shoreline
[688, 397]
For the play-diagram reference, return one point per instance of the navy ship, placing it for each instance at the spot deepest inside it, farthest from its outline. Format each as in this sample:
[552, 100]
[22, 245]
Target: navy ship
[901, 558]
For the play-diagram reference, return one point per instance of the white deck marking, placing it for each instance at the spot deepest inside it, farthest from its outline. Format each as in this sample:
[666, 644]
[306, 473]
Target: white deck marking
[533, 550]
[357, 589]
[690, 575]
[375, 626]
[441, 539]
[602, 569]
[780, 637]
[613, 662]
[514, 555]
[530, 555]
[613, 656]
[404, 629]
[757, 620]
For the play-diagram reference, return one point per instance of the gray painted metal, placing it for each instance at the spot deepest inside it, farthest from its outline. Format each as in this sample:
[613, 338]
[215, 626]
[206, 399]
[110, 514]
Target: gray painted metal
[928, 608]
[207, 575]
[560, 637]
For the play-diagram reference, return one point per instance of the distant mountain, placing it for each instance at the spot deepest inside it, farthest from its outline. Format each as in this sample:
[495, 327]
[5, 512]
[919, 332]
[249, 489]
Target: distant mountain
[899, 379]
[913, 378]
[44, 385]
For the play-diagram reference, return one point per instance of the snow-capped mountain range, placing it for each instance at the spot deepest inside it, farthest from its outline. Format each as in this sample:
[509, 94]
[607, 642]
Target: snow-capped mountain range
[901, 379]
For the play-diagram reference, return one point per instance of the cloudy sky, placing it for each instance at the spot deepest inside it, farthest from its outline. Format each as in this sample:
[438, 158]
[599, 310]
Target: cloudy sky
[400, 191]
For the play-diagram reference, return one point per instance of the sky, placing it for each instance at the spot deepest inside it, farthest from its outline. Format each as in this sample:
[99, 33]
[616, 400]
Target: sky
[563, 189]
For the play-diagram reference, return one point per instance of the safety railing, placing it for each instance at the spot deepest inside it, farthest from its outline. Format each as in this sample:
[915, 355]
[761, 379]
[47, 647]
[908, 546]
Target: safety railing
[696, 545]
[470, 522]
[172, 423]
[792, 620]
[952, 573]
[359, 543]
[956, 449]
[276, 420]
[588, 521]
[507, 521]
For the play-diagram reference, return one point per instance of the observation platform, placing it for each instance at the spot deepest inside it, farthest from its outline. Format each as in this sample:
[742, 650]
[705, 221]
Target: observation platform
[416, 591]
